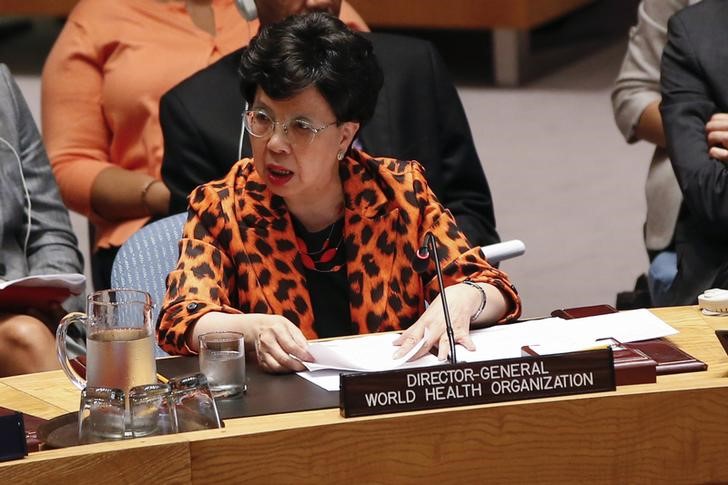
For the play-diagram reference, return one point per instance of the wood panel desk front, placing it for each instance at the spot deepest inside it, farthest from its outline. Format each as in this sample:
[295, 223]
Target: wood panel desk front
[674, 430]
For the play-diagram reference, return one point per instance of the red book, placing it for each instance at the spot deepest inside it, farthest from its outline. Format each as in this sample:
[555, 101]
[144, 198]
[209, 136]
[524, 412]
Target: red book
[40, 291]
[669, 358]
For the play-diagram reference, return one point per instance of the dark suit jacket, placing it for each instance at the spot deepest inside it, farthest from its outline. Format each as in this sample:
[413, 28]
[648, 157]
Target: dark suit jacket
[694, 87]
[418, 116]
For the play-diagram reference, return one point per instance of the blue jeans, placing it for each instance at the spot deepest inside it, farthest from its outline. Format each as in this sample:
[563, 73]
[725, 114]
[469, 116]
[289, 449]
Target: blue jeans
[661, 275]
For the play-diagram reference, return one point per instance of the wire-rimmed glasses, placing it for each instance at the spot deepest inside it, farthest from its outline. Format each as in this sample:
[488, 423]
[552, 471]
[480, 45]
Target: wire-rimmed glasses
[299, 131]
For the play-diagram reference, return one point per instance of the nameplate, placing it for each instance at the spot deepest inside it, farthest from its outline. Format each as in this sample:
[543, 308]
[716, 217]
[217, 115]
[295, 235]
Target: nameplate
[529, 377]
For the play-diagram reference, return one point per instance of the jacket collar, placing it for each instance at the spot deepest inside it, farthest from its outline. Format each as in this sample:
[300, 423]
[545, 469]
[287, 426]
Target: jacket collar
[364, 195]
[367, 209]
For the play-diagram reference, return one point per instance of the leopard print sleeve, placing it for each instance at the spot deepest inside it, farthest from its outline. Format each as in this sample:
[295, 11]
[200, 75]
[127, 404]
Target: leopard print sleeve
[203, 280]
[459, 261]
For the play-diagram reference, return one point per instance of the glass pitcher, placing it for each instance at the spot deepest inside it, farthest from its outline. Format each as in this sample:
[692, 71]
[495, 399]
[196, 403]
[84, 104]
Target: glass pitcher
[119, 340]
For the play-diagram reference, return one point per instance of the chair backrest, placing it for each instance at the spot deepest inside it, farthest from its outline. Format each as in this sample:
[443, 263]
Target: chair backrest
[146, 258]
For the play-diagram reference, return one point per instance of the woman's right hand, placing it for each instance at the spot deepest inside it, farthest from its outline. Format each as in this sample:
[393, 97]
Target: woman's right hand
[273, 338]
[276, 340]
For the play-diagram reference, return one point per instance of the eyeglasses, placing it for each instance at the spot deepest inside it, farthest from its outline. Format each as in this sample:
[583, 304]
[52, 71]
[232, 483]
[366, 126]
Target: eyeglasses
[298, 131]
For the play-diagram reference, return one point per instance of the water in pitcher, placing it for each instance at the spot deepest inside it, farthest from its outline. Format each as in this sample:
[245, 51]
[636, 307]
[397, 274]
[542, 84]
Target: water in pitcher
[120, 358]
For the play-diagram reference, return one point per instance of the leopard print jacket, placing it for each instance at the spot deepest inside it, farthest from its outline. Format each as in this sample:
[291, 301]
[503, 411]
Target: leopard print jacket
[238, 252]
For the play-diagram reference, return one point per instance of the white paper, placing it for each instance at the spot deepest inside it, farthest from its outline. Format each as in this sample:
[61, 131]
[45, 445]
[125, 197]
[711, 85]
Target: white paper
[329, 378]
[505, 341]
[374, 352]
[367, 353]
[75, 282]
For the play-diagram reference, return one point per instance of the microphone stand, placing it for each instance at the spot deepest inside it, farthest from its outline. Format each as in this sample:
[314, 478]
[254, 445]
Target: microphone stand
[432, 243]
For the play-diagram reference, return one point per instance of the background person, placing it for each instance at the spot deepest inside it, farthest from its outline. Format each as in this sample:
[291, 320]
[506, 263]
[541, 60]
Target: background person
[635, 100]
[418, 116]
[100, 100]
[35, 236]
[313, 238]
[694, 94]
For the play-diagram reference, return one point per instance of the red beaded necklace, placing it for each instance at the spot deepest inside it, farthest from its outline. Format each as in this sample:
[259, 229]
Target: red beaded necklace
[327, 253]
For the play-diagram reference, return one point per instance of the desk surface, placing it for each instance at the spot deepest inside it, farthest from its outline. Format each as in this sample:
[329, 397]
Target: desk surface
[673, 430]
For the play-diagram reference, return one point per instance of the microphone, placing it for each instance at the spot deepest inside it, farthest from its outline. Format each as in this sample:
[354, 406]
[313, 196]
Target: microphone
[419, 264]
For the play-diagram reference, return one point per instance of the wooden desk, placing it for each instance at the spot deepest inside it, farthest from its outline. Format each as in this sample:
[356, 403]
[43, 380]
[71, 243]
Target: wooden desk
[672, 431]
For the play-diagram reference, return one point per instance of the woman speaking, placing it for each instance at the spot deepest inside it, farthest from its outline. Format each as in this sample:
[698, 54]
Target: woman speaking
[312, 237]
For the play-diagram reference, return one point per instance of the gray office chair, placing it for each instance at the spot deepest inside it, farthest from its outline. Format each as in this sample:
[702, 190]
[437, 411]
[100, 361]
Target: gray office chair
[146, 258]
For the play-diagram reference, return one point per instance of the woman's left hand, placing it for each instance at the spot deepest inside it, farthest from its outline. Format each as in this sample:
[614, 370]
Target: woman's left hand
[463, 302]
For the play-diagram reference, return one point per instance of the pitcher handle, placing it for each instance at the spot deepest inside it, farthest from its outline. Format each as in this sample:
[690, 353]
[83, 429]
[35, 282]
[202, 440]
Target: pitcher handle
[61, 331]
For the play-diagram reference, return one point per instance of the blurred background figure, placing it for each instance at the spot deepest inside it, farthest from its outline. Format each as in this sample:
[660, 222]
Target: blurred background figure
[101, 87]
[635, 101]
[35, 237]
[694, 102]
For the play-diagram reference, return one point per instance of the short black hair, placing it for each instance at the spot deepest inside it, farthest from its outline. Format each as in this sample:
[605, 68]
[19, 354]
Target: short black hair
[317, 50]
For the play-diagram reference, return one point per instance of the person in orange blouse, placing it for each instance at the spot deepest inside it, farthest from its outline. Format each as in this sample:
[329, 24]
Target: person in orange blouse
[100, 103]
[314, 238]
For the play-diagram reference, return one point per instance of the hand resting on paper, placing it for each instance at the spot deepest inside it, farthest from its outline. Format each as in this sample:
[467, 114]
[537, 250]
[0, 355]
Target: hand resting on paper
[463, 302]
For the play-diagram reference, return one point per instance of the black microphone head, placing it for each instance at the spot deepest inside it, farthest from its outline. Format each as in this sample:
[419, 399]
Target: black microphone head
[421, 260]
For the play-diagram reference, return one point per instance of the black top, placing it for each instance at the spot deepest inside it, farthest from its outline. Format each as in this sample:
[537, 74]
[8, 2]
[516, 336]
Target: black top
[328, 286]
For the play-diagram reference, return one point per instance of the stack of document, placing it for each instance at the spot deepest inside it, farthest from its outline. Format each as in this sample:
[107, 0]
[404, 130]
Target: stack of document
[375, 352]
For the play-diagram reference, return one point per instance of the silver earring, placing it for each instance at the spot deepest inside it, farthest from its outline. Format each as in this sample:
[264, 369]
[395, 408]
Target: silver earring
[340, 156]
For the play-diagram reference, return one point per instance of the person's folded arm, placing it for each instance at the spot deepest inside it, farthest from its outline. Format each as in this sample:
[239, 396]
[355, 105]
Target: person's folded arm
[636, 92]
[717, 131]
[686, 107]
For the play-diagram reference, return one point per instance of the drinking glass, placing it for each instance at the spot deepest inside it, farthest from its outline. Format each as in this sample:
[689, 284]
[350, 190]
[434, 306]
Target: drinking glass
[194, 403]
[222, 360]
[152, 410]
[119, 338]
[101, 415]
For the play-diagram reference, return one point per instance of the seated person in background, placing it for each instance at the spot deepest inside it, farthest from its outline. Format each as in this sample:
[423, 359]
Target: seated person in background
[635, 101]
[418, 116]
[35, 236]
[312, 237]
[694, 93]
[101, 87]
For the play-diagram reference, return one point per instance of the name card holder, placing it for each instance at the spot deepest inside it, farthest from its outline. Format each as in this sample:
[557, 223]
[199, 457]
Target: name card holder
[529, 377]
